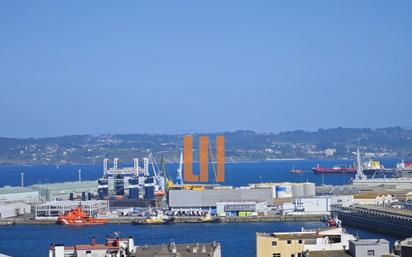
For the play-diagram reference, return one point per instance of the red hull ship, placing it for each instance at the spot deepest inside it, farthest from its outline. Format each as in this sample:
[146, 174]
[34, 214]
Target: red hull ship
[335, 169]
[78, 217]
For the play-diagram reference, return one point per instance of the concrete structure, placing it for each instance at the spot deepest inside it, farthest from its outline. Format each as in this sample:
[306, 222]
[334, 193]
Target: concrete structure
[13, 210]
[207, 199]
[406, 247]
[246, 208]
[18, 194]
[396, 222]
[369, 247]
[61, 191]
[126, 247]
[297, 243]
[51, 210]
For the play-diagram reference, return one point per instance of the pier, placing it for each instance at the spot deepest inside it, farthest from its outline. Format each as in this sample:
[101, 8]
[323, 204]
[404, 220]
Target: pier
[391, 221]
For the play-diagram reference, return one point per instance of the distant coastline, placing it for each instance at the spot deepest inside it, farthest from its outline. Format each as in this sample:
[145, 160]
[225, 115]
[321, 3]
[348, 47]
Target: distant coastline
[240, 146]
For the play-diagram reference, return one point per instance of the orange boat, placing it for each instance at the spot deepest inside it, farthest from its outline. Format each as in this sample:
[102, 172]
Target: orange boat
[78, 217]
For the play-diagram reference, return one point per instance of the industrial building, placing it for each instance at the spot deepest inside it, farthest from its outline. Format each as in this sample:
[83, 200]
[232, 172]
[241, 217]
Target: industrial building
[207, 200]
[369, 247]
[51, 210]
[246, 208]
[373, 198]
[304, 242]
[18, 194]
[65, 190]
[13, 209]
[318, 205]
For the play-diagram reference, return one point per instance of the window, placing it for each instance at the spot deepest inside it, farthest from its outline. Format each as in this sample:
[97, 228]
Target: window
[292, 255]
[274, 243]
[371, 252]
[300, 241]
[289, 242]
[276, 255]
[299, 254]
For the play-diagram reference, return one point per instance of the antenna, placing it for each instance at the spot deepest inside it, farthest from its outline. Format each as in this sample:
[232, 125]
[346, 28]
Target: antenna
[22, 179]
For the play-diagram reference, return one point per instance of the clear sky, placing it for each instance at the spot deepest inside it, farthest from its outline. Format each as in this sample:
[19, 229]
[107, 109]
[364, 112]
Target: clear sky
[91, 67]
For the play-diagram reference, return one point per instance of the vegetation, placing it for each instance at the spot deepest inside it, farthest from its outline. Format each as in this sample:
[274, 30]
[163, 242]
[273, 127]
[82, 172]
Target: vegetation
[239, 146]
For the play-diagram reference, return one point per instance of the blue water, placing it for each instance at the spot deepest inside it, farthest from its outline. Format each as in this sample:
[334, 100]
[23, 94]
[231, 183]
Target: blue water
[236, 173]
[237, 239]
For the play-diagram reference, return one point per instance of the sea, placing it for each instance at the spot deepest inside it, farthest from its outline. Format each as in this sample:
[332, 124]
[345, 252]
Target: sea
[237, 239]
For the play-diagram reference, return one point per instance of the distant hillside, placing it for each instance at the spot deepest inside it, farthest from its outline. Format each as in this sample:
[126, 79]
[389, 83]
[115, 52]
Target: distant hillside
[240, 146]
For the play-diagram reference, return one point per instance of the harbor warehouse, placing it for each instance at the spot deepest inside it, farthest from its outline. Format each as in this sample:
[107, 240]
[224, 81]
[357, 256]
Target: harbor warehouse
[208, 199]
[18, 194]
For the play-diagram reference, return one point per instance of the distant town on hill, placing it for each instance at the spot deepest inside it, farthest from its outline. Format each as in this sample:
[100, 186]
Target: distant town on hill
[242, 145]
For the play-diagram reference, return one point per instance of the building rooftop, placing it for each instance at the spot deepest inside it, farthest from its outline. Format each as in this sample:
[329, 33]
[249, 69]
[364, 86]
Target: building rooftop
[184, 250]
[369, 241]
[14, 190]
[370, 195]
[72, 203]
[65, 185]
[307, 234]
[326, 254]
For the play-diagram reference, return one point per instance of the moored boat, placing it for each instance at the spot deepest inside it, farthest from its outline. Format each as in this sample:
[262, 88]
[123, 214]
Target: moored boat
[78, 217]
[205, 219]
[157, 219]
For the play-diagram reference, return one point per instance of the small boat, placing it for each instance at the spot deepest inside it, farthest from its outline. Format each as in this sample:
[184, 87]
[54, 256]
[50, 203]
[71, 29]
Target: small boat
[159, 193]
[205, 219]
[333, 222]
[78, 217]
[157, 219]
[296, 171]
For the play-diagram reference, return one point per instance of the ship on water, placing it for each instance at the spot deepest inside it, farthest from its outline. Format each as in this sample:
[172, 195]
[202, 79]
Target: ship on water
[78, 217]
[334, 169]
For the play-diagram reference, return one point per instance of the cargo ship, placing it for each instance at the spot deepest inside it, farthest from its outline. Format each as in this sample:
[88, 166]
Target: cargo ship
[372, 166]
[334, 169]
[78, 217]
[403, 166]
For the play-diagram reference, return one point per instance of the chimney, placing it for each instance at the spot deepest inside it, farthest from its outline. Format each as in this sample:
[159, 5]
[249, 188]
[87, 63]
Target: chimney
[59, 250]
[51, 248]
[93, 240]
[130, 245]
[173, 247]
[203, 248]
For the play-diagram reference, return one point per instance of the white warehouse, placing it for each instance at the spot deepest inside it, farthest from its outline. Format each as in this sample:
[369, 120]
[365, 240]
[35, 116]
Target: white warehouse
[18, 194]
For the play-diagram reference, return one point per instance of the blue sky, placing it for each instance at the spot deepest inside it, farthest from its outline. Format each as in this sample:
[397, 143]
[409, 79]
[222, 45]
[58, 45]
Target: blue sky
[91, 67]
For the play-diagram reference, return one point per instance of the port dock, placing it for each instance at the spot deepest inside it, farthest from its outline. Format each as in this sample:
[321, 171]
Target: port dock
[183, 219]
[391, 221]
